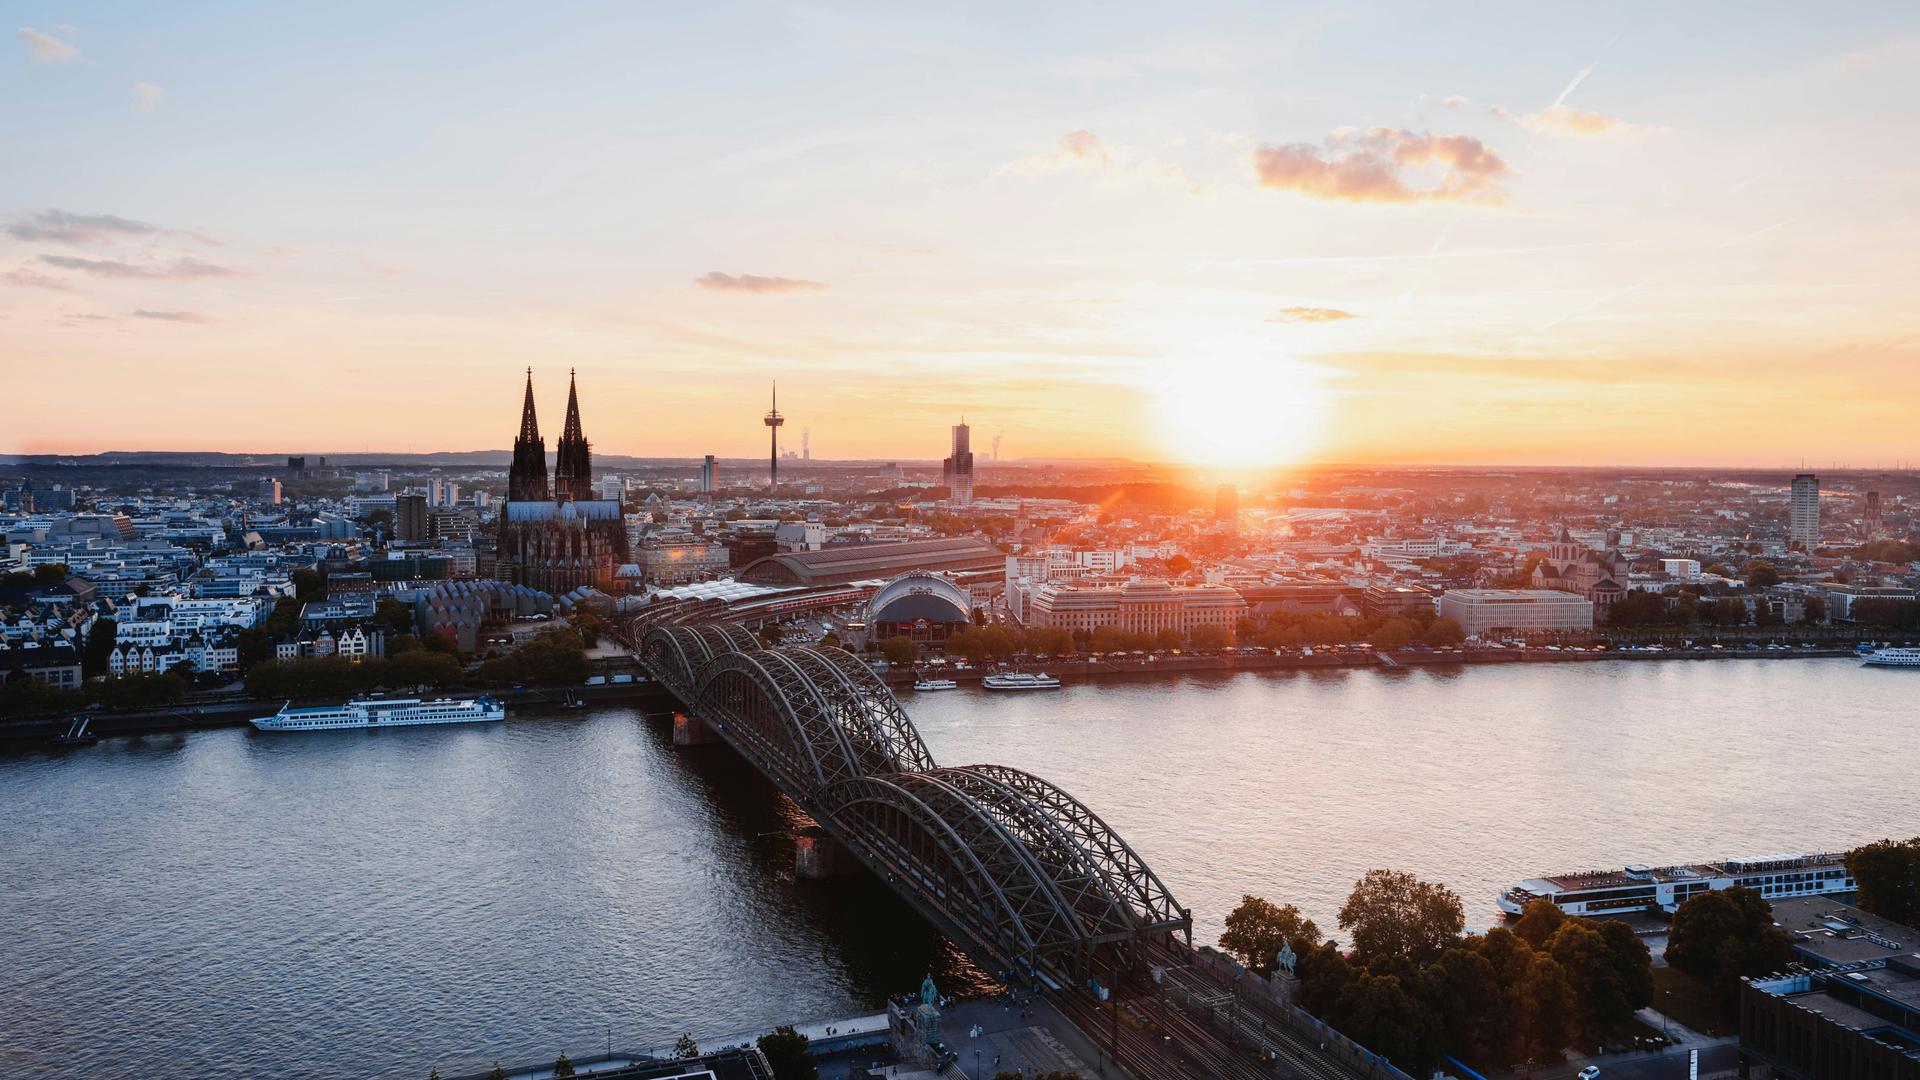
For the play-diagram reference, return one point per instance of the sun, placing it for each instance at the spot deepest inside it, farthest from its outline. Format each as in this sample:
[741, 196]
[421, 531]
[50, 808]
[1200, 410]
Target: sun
[1245, 411]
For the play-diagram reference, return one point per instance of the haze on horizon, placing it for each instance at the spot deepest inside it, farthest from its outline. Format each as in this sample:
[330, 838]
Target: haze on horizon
[1638, 234]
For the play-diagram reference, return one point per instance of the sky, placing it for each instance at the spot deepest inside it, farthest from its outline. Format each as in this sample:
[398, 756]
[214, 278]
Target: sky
[1228, 234]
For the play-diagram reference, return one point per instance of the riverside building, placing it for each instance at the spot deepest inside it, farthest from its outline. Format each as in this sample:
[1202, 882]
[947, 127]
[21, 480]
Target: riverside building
[1140, 606]
[1522, 610]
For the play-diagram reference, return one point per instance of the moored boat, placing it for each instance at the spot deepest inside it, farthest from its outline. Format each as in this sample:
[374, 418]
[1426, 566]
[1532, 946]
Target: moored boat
[1021, 680]
[384, 713]
[1665, 888]
[935, 684]
[1891, 658]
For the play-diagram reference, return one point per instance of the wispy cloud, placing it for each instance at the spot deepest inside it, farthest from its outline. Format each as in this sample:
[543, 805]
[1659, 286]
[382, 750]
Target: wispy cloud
[755, 283]
[1373, 165]
[31, 279]
[1454, 101]
[1567, 120]
[171, 316]
[57, 224]
[45, 47]
[1078, 148]
[1309, 315]
[146, 96]
[182, 269]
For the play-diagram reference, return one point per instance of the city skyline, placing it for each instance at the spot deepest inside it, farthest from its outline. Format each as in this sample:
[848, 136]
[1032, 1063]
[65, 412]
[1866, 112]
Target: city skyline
[1249, 239]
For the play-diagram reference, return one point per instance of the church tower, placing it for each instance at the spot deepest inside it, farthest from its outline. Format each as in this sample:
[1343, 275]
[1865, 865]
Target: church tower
[527, 479]
[573, 467]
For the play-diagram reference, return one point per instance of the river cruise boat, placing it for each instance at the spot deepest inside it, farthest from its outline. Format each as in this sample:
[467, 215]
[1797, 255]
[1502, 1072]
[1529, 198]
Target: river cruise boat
[1021, 680]
[1891, 658]
[935, 684]
[1665, 888]
[384, 713]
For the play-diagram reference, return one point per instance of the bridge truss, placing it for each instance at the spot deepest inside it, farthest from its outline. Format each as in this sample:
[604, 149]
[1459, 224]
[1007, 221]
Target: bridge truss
[998, 858]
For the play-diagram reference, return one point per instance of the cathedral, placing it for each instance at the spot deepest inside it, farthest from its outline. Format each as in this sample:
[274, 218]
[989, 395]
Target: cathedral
[1572, 567]
[557, 536]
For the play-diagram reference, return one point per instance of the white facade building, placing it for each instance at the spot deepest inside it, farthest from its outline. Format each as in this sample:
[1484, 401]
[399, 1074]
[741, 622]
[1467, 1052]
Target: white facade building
[1523, 610]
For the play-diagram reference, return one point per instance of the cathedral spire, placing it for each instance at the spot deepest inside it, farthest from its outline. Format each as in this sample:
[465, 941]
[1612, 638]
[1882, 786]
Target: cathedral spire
[529, 423]
[573, 461]
[527, 479]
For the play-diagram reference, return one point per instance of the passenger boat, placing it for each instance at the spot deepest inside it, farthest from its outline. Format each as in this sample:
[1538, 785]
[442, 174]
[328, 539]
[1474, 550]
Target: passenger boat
[935, 684]
[384, 713]
[1891, 658]
[1665, 888]
[1021, 680]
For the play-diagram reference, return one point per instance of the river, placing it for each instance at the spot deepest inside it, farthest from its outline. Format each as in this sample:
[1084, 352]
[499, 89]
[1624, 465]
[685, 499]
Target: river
[230, 903]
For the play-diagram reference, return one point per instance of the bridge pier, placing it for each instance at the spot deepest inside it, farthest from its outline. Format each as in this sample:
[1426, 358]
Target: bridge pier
[817, 855]
[690, 731]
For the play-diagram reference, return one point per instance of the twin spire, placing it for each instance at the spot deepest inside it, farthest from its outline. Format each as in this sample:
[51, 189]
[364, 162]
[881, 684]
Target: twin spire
[573, 468]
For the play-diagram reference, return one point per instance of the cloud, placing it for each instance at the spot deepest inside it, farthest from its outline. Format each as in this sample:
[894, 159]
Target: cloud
[146, 96]
[1567, 120]
[57, 224]
[172, 316]
[1310, 315]
[46, 47]
[1078, 148]
[29, 279]
[1085, 145]
[755, 283]
[183, 269]
[1371, 166]
[1454, 101]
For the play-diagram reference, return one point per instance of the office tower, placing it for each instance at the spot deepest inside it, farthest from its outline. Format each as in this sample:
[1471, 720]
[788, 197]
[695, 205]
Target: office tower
[773, 420]
[270, 491]
[1226, 504]
[806, 444]
[409, 518]
[1803, 527]
[957, 470]
[709, 474]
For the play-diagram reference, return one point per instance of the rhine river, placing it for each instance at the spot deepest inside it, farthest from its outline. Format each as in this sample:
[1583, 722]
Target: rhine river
[230, 903]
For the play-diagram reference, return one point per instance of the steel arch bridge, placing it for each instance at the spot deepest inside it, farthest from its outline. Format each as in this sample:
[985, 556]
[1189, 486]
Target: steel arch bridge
[999, 859]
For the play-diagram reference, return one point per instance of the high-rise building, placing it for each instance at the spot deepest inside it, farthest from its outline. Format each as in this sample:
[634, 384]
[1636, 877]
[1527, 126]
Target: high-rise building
[806, 444]
[1803, 526]
[709, 474]
[774, 420]
[410, 523]
[957, 470]
[270, 491]
[1226, 504]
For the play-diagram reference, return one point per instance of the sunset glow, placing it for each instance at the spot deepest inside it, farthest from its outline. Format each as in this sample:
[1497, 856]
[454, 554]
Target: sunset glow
[1324, 234]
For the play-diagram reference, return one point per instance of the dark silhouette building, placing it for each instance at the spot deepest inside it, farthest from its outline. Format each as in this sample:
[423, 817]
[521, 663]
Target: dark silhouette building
[559, 538]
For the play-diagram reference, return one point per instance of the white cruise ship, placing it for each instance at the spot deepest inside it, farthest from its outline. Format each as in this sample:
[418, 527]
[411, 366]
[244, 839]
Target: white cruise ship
[1891, 658]
[384, 713]
[1665, 888]
[935, 684]
[1020, 680]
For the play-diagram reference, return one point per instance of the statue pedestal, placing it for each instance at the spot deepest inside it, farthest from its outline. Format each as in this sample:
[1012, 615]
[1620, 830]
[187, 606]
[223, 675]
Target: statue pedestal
[1285, 987]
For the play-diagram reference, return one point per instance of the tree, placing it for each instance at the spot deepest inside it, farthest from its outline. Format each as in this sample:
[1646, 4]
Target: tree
[1257, 929]
[1537, 922]
[563, 1065]
[309, 584]
[1721, 934]
[1395, 919]
[1445, 633]
[1167, 639]
[100, 641]
[1325, 974]
[684, 1047]
[1463, 993]
[786, 1051]
[1888, 873]
[1587, 958]
[1386, 1019]
[392, 616]
[499, 1072]
[284, 620]
[1211, 637]
[1553, 1007]
[1632, 964]
[1814, 611]
[1761, 573]
[899, 650]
